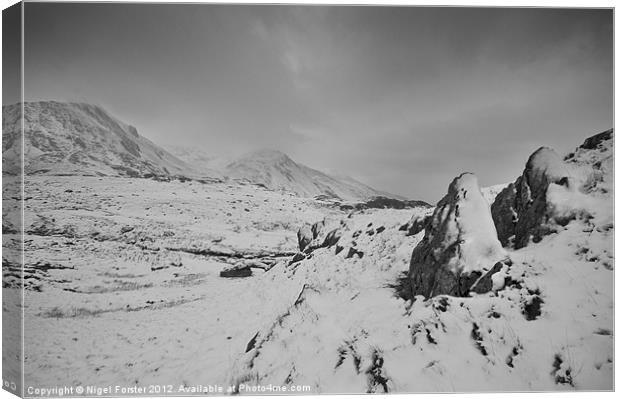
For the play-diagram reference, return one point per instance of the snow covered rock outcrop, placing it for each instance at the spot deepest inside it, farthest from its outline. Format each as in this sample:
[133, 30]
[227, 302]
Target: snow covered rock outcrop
[521, 209]
[460, 244]
[323, 234]
[547, 196]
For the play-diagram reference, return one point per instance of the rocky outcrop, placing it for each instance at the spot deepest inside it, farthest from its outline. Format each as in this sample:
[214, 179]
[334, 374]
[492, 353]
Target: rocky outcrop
[387, 203]
[304, 237]
[460, 245]
[243, 268]
[521, 211]
[319, 235]
[417, 224]
[48, 226]
[592, 143]
[238, 270]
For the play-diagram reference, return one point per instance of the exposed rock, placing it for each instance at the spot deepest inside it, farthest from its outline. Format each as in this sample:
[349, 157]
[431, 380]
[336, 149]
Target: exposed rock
[317, 228]
[504, 214]
[251, 343]
[531, 307]
[297, 257]
[304, 237]
[593, 142]
[310, 238]
[388, 203]
[416, 224]
[238, 270]
[352, 252]
[331, 238]
[46, 226]
[460, 243]
[256, 264]
[521, 209]
[485, 283]
[126, 229]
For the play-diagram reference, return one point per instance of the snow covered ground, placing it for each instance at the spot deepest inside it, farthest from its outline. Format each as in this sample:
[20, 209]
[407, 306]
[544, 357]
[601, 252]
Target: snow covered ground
[123, 276]
[123, 288]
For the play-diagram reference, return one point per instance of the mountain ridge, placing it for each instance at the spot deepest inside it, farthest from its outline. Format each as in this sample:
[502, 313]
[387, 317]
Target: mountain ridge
[276, 170]
[76, 138]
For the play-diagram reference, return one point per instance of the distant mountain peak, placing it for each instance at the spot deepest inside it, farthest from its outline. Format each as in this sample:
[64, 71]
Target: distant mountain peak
[277, 171]
[265, 155]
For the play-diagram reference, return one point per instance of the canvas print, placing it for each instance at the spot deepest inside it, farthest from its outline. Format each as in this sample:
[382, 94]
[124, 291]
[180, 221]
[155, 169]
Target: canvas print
[220, 199]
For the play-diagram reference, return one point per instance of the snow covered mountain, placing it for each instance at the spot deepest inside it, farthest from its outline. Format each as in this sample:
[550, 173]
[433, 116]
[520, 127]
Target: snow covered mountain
[82, 139]
[276, 171]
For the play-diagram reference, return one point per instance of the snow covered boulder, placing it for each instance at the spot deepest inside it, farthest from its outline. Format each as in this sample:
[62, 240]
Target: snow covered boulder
[323, 234]
[460, 244]
[522, 209]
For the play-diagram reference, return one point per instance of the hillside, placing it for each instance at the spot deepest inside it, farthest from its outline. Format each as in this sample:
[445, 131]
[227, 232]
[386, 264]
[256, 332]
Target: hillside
[276, 171]
[82, 139]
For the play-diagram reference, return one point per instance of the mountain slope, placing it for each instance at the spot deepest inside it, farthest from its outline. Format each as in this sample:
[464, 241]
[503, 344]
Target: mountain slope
[276, 171]
[82, 139]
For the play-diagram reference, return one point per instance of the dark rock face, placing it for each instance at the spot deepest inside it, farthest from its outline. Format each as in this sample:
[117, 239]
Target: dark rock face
[504, 215]
[392, 203]
[236, 271]
[459, 246]
[304, 237]
[521, 209]
[297, 258]
[415, 225]
[354, 252]
[331, 238]
[593, 142]
[485, 283]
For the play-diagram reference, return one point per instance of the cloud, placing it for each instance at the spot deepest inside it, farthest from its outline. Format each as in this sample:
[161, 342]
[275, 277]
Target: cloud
[402, 98]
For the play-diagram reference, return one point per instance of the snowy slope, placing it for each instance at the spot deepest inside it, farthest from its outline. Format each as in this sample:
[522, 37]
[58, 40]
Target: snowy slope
[76, 138]
[276, 171]
[344, 324]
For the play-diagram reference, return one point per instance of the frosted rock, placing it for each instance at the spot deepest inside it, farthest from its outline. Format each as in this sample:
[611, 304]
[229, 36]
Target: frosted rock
[522, 209]
[460, 244]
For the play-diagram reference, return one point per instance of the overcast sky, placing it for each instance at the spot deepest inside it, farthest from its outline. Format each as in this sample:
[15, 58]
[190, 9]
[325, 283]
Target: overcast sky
[403, 99]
